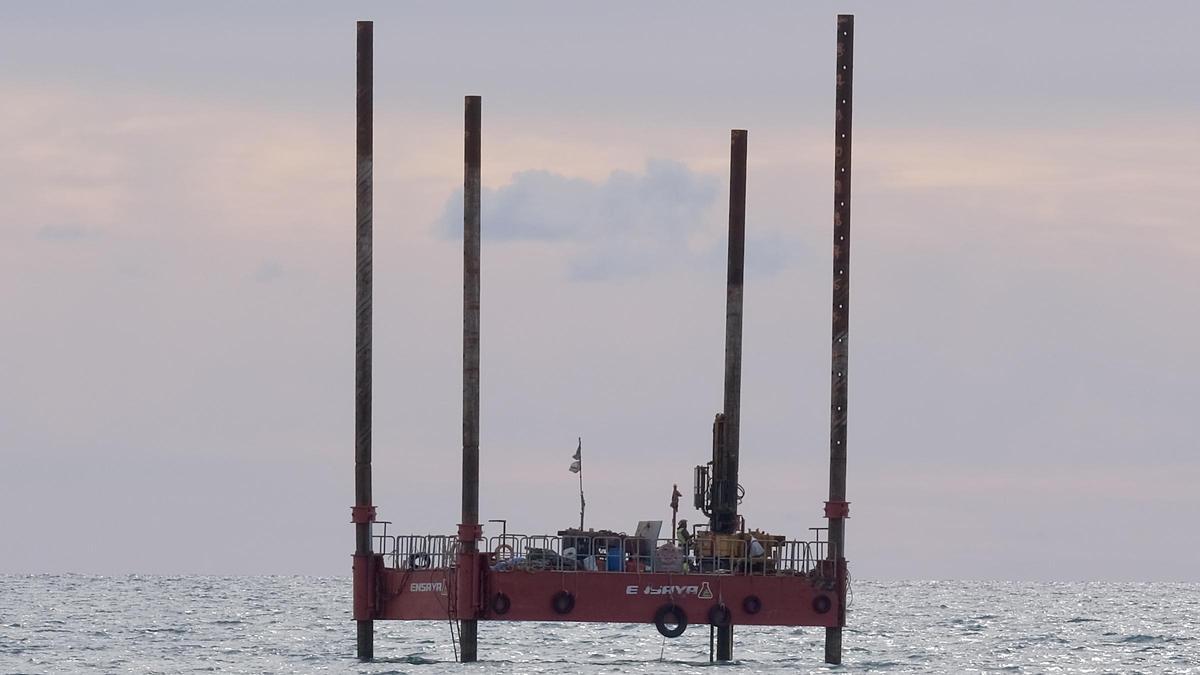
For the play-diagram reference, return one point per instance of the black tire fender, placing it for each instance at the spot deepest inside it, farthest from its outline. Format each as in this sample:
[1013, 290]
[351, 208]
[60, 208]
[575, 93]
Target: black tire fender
[563, 602]
[670, 613]
[822, 604]
[720, 616]
[752, 605]
[501, 604]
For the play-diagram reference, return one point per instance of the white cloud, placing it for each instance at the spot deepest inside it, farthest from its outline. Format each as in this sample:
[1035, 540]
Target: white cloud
[627, 224]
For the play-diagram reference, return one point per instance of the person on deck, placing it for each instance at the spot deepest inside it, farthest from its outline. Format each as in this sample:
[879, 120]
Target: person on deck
[683, 537]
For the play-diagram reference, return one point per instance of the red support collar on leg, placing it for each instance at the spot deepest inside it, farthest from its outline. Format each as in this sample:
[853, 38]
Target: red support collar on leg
[362, 514]
[837, 509]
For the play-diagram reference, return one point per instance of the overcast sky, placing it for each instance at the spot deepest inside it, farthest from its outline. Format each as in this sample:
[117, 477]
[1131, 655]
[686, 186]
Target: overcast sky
[177, 277]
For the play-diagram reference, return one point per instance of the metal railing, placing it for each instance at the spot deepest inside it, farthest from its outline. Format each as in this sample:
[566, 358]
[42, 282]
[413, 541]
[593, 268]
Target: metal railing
[635, 554]
[380, 541]
[416, 551]
[574, 553]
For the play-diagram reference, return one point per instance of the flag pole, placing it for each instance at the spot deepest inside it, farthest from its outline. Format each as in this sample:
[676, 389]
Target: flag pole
[582, 503]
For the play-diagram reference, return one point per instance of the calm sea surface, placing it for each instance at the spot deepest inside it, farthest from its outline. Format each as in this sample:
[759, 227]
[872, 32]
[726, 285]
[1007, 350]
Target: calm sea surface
[142, 624]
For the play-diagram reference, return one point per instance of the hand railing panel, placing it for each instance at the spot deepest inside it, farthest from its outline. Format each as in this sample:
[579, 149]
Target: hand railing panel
[704, 554]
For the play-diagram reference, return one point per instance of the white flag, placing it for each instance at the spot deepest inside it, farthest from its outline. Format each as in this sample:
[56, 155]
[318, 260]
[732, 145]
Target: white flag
[577, 465]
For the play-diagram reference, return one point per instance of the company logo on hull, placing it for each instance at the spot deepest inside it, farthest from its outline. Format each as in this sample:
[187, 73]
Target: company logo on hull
[427, 587]
[702, 590]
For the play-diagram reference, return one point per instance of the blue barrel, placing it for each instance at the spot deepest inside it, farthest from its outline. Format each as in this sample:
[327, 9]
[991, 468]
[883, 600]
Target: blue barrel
[614, 559]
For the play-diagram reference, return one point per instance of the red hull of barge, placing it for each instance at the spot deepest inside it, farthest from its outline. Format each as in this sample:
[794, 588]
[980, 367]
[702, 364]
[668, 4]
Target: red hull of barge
[617, 597]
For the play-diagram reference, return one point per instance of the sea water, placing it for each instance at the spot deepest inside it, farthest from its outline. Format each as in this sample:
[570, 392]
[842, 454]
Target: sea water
[171, 624]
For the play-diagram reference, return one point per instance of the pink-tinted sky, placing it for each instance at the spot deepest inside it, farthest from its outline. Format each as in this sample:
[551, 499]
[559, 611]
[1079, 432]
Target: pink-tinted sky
[176, 277]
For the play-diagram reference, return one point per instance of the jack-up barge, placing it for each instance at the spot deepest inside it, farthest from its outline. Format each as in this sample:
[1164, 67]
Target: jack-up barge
[722, 575]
